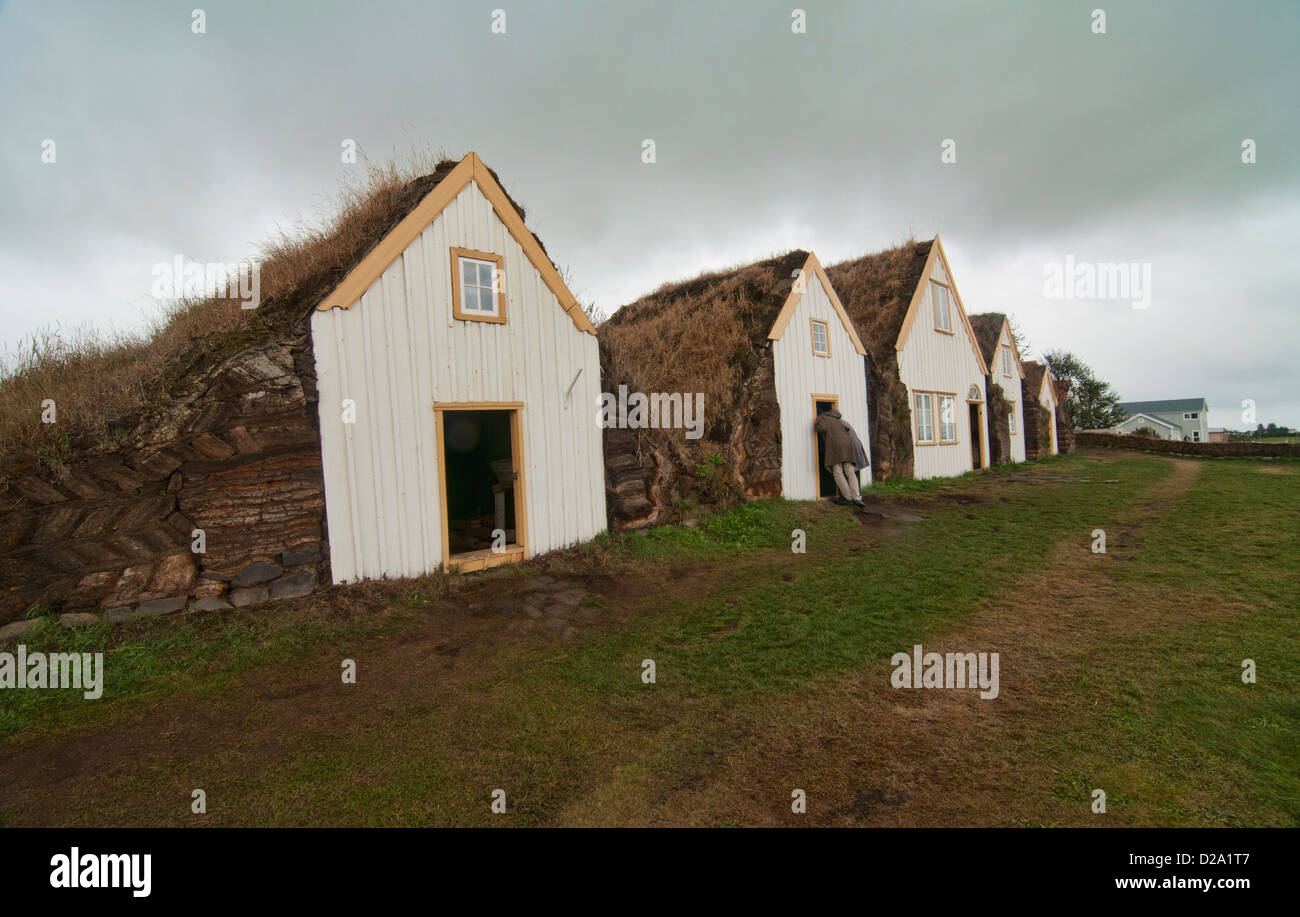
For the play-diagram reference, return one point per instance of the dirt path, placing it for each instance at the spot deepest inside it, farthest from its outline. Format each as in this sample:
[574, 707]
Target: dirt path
[868, 754]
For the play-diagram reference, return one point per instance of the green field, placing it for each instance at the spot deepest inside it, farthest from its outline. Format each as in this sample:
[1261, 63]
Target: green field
[1119, 671]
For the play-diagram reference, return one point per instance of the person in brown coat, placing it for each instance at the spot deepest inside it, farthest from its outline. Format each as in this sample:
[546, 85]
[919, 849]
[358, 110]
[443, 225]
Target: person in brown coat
[840, 455]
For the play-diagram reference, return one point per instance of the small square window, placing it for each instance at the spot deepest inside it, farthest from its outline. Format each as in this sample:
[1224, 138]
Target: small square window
[821, 343]
[478, 293]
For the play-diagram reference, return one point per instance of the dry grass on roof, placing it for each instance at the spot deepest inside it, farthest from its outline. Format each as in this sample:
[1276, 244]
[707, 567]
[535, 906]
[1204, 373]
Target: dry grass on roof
[699, 335]
[988, 331]
[103, 384]
[876, 291]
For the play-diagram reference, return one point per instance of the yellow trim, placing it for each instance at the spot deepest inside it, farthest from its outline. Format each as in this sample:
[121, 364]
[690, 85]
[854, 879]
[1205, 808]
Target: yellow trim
[472, 560]
[497, 278]
[817, 469]
[813, 337]
[936, 249]
[976, 434]
[400, 237]
[478, 405]
[792, 302]
[1047, 383]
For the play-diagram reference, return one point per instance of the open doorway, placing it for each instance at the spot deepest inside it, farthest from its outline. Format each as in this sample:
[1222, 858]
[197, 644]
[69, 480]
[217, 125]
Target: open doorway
[480, 456]
[825, 480]
[976, 439]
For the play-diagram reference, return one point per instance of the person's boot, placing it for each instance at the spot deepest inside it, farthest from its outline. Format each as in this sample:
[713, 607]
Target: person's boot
[840, 501]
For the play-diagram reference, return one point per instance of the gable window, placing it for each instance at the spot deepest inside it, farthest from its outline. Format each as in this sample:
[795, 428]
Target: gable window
[924, 417]
[947, 419]
[1006, 361]
[478, 286]
[821, 339]
[942, 310]
[1011, 418]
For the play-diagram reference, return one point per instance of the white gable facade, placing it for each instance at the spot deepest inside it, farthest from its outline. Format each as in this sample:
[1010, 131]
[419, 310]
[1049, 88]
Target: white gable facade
[940, 363]
[394, 362]
[1047, 398]
[1007, 373]
[1162, 428]
[817, 356]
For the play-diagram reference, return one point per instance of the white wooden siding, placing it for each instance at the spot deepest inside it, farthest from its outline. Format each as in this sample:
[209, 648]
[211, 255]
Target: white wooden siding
[932, 361]
[1048, 400]
[1011, 385]
[800, 374]
[1162, 428]
[399, 350]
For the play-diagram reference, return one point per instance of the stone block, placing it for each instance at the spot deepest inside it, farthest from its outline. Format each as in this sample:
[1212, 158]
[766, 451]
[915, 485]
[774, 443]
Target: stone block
[294, 585]
[242, 598]
[255, 574]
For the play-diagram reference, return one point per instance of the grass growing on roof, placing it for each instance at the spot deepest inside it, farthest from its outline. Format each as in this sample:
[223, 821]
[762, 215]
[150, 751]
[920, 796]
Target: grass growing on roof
[105, 382]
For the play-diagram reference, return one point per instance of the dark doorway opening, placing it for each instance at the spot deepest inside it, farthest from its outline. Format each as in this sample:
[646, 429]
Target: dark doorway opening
[976, 457]
[825, 480]
[479, 478]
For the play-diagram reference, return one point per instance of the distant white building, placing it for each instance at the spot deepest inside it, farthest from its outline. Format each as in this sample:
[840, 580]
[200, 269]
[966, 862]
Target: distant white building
[1181, 419]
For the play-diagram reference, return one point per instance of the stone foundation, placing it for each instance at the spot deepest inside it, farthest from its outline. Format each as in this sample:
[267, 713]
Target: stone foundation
[237, 457]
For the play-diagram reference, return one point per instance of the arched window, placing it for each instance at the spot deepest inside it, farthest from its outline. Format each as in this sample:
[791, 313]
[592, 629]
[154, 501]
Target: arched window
[974, 394]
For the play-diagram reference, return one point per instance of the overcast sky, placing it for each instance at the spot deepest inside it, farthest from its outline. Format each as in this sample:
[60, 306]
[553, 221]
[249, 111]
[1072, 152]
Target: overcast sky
[1116, 147]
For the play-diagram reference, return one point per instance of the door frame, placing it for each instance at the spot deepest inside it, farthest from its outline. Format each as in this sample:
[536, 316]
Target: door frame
[979, 433]
[481, 560]
[817, 468]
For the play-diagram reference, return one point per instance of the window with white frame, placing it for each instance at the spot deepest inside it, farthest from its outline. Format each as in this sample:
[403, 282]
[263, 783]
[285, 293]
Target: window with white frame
[1006, 361]
[947, 419]
[1011, 418]
[942, 310]
[924, 417]
[478, 293]
[821, 342]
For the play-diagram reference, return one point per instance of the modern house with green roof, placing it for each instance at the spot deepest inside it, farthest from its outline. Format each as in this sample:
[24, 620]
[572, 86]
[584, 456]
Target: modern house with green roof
[1182, 419]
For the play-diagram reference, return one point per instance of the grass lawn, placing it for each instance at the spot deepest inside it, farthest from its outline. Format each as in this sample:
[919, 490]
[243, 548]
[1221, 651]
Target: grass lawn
[1120, 671]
